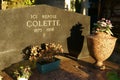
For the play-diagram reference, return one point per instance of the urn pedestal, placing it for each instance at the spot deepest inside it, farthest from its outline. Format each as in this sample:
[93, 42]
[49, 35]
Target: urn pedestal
[100, 46]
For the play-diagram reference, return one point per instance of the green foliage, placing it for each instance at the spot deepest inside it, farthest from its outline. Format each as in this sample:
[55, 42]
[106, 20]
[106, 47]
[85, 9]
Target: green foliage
[29, 2]
[112, 75]
[78, 6]
[23, 72]
[19, 3]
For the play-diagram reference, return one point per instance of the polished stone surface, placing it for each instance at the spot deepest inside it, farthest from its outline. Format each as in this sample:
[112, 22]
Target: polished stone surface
[71, 69]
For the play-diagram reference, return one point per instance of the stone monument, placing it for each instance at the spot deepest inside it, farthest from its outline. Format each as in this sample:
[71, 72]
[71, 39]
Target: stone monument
[41, 24]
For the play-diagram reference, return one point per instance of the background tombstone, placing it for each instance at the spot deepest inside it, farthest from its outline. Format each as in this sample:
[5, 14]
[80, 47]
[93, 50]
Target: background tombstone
[37, 24]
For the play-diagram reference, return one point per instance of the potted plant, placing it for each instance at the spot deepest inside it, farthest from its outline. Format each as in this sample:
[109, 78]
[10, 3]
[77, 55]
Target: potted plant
[44, 56]
[23, 73]
[101, 42]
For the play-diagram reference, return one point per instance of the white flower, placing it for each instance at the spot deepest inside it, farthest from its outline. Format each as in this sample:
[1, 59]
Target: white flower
[103, 19]
[103, 24]
[1, 77]
[110, 26]
[21, 78]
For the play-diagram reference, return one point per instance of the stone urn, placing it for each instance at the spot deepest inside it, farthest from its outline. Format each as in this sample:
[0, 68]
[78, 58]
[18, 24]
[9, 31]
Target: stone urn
[100, 46]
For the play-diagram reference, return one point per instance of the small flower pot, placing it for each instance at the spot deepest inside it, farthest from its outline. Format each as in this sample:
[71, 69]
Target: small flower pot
[44, 68]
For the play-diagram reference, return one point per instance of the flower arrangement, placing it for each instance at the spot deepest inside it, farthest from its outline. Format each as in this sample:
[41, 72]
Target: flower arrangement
[23, 73]
[45, 53]
[103, 25]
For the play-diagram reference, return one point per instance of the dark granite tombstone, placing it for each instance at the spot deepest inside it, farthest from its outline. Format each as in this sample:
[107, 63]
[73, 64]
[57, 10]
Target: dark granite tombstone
[33, 25]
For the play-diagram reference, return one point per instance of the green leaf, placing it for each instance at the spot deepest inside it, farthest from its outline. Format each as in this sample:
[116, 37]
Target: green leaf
[112, 76]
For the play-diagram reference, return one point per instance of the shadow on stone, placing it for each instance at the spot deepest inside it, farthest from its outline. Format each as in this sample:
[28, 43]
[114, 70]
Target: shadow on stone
[26, 51]
[93, 73]
[58, 74]
[75, 41]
